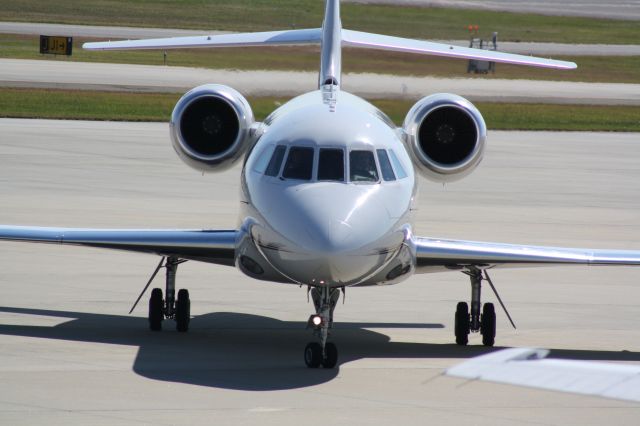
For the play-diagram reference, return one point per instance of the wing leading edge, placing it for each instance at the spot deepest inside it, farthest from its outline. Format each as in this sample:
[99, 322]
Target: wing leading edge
[212, 246]
[436, 255]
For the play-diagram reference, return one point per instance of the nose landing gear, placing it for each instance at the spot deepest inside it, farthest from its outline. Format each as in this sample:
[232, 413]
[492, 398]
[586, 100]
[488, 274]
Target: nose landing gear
[325, 353]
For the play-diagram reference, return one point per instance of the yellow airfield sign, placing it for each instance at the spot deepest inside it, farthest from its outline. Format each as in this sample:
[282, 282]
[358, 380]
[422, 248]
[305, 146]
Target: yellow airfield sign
[56, 45]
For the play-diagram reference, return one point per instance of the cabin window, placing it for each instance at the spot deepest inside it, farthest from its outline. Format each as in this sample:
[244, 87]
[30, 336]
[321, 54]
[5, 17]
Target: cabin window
[397, 165]
[362, 167]
[276, 161]
[263, 160]
[331, 165]
[299, 164]
[385, 165]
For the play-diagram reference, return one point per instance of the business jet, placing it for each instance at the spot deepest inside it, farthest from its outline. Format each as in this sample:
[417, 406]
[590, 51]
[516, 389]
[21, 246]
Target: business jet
[328, 186]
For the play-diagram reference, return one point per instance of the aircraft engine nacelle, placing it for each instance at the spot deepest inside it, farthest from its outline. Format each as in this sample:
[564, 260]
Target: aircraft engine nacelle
[211, 127]
[445, 135]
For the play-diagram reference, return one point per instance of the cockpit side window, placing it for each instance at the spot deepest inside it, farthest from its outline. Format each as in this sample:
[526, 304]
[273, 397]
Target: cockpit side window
[362, 167]
[385, 165]
[276, 161]
[331, 165]
[397, 165]
[263, 160]
[299, 163]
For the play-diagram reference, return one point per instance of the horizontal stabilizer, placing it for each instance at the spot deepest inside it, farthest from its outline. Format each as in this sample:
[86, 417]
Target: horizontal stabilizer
[382, 42]
[289, 37]
[529, 367]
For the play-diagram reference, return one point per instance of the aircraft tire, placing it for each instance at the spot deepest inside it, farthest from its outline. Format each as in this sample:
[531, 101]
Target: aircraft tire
[488, 324]
[155, 310]
[183, 311]
[462, 324]
[313, 355]
[331, 355]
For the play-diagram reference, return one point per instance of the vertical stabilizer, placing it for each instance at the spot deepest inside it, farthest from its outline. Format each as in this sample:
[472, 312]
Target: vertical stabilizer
[331, 58]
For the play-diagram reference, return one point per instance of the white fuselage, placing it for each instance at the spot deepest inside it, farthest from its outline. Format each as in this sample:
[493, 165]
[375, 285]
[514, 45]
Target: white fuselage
[322, 225]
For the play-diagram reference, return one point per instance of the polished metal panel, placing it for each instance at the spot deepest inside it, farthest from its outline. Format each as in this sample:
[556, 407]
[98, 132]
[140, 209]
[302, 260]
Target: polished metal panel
[236, 151]
[428, 167]
[204, 245]
[435, 255]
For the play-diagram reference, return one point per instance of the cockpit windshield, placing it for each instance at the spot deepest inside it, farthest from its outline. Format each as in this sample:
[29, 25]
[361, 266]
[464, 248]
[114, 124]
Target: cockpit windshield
[299, 163]
[273, 169]
[331, 165]
[385, 165]
[362, 167]
[328, 164]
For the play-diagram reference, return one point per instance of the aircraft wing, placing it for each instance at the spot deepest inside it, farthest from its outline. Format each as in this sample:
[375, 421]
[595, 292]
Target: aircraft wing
[438, 254]
[382, 42]
[289, 37]
[528, 367]
[210, 246]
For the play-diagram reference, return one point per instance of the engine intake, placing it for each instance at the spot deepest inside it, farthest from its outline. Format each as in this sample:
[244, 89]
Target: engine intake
[446, 135]
[211, 127]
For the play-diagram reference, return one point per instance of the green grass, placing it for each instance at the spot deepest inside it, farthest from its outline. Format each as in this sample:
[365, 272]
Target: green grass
[256, 15]
[617, 69]
[126, 106]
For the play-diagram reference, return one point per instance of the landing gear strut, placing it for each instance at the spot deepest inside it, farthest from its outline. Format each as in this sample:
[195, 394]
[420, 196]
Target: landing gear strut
[473, 322]
[325, 353]
[179, 310]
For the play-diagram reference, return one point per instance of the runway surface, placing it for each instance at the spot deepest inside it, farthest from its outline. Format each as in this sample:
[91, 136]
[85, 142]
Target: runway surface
[612, 9]
[27, 28]
[70, 355]
[96, 76]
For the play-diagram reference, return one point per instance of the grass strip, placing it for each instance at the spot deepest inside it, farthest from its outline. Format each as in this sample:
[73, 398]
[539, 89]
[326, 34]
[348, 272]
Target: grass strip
[260, 15]
[126, 106]
[616, 69]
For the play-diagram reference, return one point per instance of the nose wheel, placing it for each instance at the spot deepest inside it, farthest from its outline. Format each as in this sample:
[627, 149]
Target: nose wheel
[323, 353]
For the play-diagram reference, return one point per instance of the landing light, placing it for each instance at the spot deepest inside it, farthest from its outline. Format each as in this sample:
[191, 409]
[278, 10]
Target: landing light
[315, 321]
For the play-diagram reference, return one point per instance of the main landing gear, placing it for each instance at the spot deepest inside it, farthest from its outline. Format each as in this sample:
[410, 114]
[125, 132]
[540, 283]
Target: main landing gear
[473, 322]
[159, 309]
[324, 353]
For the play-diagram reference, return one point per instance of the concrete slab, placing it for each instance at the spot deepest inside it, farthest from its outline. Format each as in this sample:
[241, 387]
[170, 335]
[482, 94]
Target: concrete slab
[69, 353]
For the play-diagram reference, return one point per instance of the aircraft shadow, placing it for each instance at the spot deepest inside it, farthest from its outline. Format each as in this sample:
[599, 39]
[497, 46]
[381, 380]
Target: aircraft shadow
[247, 352]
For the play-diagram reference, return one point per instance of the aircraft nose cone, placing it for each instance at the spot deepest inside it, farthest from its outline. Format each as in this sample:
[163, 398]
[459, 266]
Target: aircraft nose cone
[330, 233]
[336, 218]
